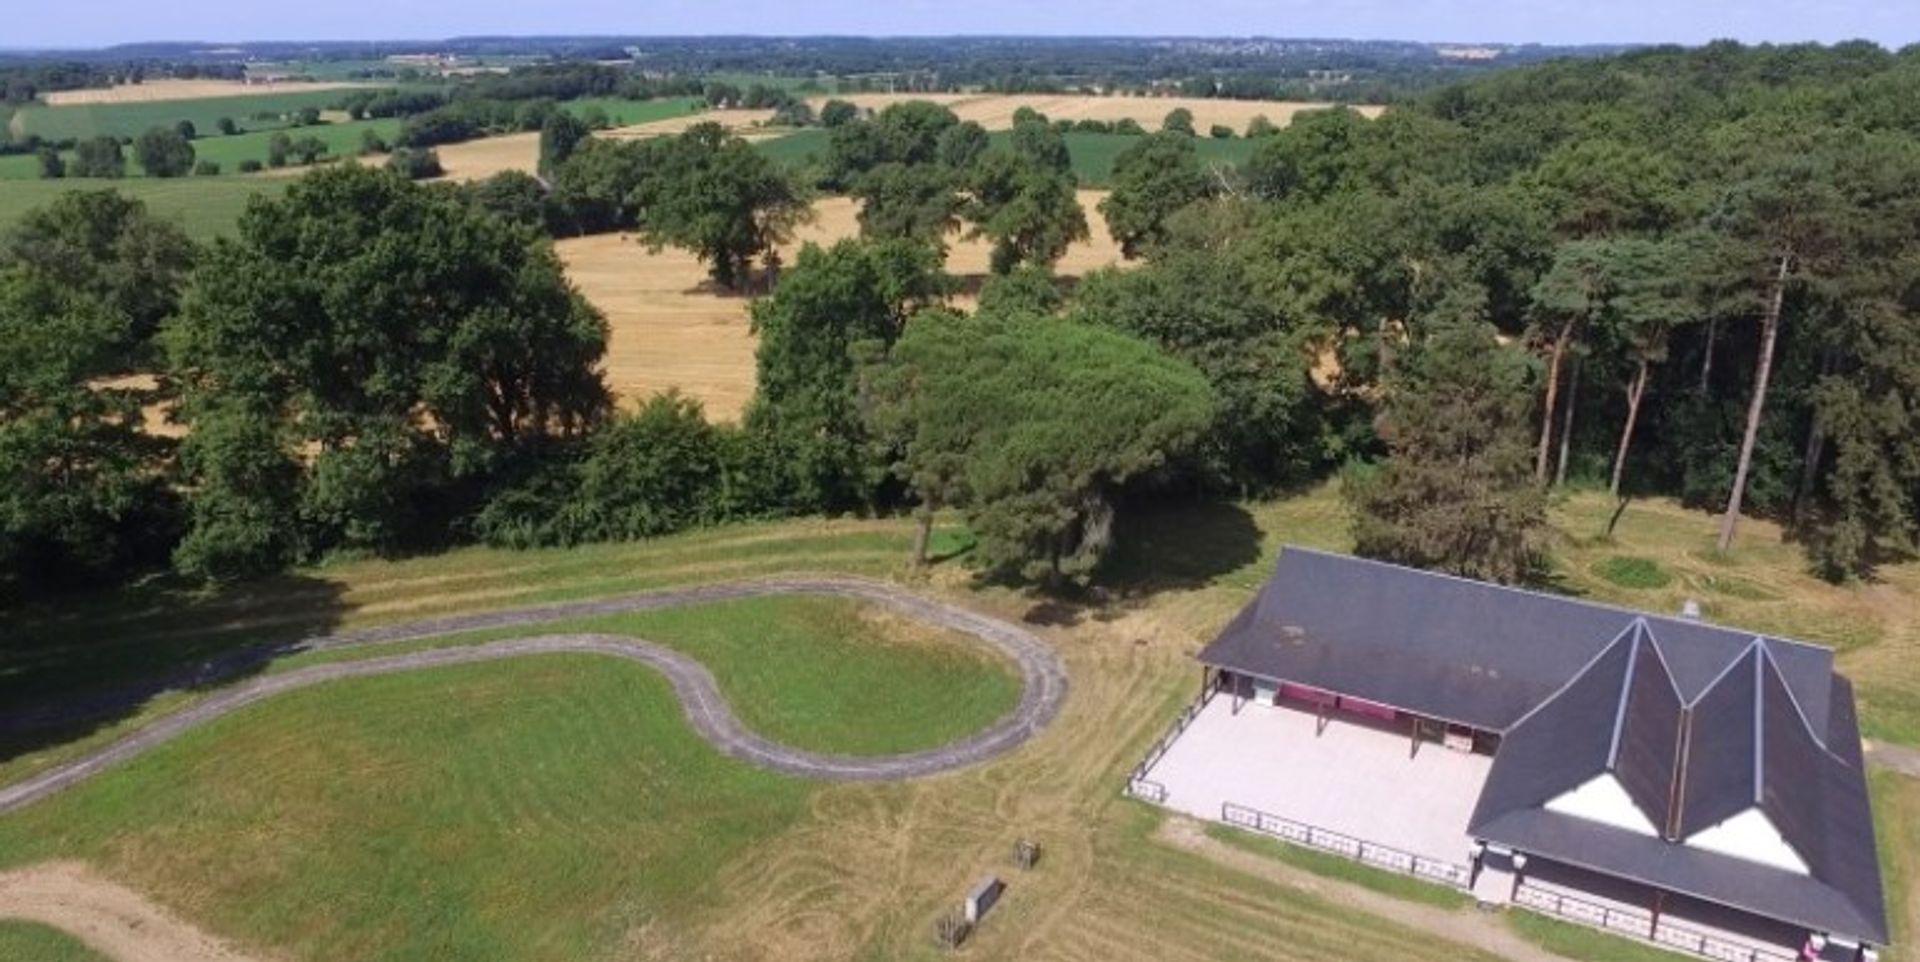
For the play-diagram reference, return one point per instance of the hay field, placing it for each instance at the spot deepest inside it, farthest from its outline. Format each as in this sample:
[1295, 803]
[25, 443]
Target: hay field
[742, 122]
[480, 159]
[158, 90]
[671, 329]
[995, 111]
[467, 161]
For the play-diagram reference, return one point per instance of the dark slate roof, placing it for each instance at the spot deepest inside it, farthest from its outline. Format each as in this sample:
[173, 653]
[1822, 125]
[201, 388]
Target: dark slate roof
[1814, 903]
[1647, 735]
[1459, 650]
[1697, 723]
[1568, 739]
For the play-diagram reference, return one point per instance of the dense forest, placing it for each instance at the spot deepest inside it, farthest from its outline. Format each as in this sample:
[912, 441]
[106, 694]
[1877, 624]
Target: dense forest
[1687, 273]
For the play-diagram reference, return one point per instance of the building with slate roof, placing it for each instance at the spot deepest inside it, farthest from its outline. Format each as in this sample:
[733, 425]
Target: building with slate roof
[1647, 763]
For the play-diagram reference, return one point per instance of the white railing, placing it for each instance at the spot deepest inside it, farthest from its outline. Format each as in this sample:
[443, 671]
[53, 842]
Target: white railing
[1147, 790]
[1639, 924]
[1368, 853]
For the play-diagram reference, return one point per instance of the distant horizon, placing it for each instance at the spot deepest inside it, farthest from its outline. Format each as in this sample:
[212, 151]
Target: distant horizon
[110, 23]
[535, 37]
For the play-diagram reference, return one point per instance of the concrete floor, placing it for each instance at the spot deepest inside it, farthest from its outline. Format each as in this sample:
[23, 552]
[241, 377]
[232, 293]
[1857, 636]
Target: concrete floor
[1345, 775]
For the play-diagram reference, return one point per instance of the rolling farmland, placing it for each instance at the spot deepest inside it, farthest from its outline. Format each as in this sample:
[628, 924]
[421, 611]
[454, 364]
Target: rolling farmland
[153, 91]
[206, 207]
[671, 329]
[129, 119]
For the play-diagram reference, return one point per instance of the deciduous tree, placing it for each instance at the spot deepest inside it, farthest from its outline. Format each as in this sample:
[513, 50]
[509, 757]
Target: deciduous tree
[1152, 178]
[363, 353]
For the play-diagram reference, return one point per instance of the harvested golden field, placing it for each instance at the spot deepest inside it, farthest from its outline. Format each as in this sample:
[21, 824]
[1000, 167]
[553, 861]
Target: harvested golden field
[154, 91]
[468, 161]
[480, 159]
[671, 329]
[995, 111]
[739, 121]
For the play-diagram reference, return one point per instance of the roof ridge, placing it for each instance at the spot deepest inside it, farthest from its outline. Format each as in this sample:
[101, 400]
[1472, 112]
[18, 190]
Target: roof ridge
[1571, 681]
[1666, 667]
[1626, 693]
[1800, 712]
[1725, 672]
[1286, 549]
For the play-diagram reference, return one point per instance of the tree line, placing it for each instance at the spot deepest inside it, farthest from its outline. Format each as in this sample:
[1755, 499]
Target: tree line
[1685, 273]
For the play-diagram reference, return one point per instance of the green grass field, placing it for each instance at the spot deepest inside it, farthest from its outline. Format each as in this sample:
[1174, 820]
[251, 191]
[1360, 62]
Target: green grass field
[625, 112]
[515, 811]
[1092, 154]
[342, 140]
[251, 112]
[30, 942]
[823, 674]
[206, 207]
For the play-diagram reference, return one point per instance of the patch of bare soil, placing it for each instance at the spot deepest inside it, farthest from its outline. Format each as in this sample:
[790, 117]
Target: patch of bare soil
[108, 917]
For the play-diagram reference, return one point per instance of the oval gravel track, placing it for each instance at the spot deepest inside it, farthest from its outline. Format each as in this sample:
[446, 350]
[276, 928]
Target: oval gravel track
[1043, 681]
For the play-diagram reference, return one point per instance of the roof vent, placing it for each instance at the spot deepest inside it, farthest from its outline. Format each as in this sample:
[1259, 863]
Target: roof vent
[1690, 609]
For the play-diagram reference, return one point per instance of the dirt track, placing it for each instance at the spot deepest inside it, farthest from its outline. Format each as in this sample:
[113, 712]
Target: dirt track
[106, 916]
[1043, 678]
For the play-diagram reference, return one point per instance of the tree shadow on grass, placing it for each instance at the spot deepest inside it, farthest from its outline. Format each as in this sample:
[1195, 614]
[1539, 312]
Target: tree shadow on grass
[74, 665]
[1159, 548]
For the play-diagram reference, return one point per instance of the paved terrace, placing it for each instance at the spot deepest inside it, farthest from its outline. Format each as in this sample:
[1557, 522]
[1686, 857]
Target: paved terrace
[1346, 775]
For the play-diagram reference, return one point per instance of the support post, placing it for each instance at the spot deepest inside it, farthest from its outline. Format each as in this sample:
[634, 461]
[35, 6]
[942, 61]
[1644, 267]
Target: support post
[1659, 902]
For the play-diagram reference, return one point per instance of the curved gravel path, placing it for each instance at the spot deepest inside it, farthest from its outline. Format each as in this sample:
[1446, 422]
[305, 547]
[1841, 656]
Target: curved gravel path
[1043, 681]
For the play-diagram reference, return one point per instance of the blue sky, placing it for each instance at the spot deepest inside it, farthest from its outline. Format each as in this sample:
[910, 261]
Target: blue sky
[97, 22]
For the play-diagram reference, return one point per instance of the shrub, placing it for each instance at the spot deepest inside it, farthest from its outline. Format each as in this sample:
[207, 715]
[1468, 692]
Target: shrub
[226, 126]
[1129, 126]
[309, 149]
[659, 470]
[1631, 572]
[415, 164]
[207, 168]
[99, 157]
[1221, 132]
[52, 167]
[251, 166]
[163, 152]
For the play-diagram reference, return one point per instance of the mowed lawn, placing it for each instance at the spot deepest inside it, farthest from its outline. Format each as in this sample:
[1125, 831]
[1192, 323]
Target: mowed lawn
[32, 942]
[536, 810]
[823, 674]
